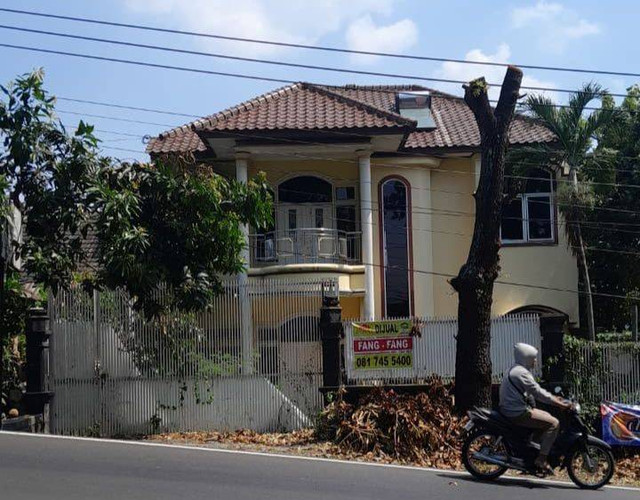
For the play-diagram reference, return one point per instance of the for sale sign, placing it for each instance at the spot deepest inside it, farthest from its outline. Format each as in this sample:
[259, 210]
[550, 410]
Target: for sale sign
[382, 345]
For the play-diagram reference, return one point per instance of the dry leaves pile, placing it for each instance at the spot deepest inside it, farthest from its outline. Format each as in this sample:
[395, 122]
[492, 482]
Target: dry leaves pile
[420, 429]
[243, 436]
[628, 470]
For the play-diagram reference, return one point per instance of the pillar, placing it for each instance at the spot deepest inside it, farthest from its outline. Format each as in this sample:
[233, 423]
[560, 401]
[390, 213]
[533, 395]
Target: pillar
[331, 334]
[552, 329]
[366, 223]
[246, 316]
[37, 337]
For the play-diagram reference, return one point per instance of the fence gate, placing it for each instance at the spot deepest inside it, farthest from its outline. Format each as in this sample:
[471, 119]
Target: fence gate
[253, 360]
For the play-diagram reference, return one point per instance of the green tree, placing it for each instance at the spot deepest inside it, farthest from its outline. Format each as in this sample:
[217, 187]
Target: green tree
[615, 265]
[575, 129]
[173, 224]
[170, 224]
[46, 174]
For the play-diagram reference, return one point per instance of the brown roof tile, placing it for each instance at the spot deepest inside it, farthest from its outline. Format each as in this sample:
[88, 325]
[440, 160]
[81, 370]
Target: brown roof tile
[304, 106]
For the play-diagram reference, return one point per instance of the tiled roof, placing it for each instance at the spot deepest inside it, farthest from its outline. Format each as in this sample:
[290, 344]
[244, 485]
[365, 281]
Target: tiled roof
[304, 106]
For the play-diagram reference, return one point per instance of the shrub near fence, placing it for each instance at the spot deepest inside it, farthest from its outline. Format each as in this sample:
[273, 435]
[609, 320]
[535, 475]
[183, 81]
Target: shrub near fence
[600, 371]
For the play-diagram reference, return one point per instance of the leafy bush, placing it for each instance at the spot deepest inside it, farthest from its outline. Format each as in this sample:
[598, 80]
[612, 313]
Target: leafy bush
[12, 343]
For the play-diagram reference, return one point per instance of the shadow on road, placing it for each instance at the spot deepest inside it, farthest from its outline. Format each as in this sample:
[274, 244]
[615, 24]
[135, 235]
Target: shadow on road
[510, 481]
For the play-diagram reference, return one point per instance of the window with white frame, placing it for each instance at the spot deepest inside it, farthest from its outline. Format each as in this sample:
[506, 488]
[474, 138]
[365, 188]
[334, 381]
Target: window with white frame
[530, 216]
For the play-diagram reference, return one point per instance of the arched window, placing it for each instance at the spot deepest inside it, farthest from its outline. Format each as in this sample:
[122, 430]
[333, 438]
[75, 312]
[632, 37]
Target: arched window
[305, 189]
[394, 195]
[530, 217]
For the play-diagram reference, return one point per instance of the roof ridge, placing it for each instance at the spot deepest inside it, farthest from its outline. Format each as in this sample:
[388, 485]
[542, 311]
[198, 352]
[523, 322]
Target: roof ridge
[245, 105]
[356, 102]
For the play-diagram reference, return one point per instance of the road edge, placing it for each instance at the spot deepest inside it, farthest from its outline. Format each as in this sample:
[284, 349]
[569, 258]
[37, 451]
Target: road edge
[289, 457]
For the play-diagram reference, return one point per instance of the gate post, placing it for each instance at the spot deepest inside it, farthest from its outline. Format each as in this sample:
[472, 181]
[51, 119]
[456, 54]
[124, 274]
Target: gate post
[331, 334]
[37, 336]
[552, 329]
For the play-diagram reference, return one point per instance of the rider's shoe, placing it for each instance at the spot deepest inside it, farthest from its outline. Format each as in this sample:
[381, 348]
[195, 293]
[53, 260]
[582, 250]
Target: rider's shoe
[544, 471]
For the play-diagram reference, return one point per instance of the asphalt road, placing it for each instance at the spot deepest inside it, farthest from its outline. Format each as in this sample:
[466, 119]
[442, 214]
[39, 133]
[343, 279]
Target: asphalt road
[33, 467]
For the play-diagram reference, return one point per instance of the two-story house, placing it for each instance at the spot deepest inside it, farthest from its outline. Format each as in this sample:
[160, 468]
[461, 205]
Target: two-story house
[373, 186]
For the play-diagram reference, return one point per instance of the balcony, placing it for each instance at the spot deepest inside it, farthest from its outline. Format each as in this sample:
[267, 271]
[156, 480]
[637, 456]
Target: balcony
[305, 246]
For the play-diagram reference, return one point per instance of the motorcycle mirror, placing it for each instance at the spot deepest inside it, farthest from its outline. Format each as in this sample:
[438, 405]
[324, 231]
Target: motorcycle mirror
[557, 389]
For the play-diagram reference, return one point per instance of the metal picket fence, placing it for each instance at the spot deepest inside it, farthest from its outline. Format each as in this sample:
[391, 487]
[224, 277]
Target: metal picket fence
[434, 350]
[252, 360]
[599, 371]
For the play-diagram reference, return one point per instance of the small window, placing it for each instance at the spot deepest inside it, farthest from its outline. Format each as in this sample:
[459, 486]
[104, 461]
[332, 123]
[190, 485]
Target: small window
[512, 228]
[345, 193]
[529, 218]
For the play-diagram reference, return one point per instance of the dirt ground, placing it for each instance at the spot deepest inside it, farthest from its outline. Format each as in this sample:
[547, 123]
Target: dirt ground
[304, 443]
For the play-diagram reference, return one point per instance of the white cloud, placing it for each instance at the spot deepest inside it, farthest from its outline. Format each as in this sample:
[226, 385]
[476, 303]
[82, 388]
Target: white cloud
[583, 28]
[279, 20]
[363, 34]
[493, 74]
[541, 11]
[553, 24]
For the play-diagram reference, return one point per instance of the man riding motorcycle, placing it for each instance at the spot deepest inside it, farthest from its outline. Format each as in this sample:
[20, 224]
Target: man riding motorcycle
[518, 395]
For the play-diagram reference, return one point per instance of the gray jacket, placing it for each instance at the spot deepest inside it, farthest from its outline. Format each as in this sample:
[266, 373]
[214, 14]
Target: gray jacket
[521, 392]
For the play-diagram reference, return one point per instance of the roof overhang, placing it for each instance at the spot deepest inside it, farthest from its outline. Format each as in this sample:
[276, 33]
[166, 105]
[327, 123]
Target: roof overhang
[298, 144]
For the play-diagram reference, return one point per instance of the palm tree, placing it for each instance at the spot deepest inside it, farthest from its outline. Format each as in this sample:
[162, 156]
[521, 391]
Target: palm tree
[575, 130]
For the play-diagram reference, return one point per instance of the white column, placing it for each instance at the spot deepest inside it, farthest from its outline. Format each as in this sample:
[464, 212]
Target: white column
[366, 223]
[477, 168]
[246, 316]
[242, 175]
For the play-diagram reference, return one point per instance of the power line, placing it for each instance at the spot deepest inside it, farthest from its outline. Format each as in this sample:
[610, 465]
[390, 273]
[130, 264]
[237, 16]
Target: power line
[122, 106]
[317, 47]
[105, 117]
[277, 63]
[278, 80]
[147, 64]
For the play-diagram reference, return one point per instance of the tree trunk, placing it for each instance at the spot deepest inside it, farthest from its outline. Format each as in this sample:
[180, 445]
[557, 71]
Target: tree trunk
[583, 265]
[475, 280]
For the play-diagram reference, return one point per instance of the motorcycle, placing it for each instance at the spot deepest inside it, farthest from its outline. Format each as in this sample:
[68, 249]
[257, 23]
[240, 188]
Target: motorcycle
[493, 445]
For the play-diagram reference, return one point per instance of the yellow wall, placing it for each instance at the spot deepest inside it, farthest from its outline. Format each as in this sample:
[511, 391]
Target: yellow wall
[351, 307]
[441, 239]
[342, 171]
[452, 231]
[550, 266]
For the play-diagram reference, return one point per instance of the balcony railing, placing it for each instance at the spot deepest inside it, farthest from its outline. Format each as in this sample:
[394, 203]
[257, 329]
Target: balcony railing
[305, 246]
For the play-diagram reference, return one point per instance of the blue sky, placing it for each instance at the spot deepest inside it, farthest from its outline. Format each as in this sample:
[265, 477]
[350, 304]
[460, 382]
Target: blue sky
[586, 33]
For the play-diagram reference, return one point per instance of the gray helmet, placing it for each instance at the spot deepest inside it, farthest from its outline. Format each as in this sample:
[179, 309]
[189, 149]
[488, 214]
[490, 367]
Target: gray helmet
[525, 354]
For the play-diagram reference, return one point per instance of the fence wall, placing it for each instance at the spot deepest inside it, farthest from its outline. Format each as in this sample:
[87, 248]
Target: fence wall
[434, 351]
[113, 373]
[598, 371]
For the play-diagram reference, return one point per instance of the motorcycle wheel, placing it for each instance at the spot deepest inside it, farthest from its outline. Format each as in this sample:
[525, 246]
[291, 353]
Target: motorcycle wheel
[595, 475]
[483, 441]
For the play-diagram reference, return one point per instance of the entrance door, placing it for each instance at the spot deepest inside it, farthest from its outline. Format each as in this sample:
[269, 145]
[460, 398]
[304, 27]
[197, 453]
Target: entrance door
[303, 231]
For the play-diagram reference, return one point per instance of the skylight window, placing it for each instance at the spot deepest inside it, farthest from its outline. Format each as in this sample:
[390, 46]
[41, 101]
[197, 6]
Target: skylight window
[416, 105]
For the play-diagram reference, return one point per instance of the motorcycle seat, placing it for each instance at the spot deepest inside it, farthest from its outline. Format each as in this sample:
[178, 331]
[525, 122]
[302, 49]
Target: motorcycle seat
[500, 419]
